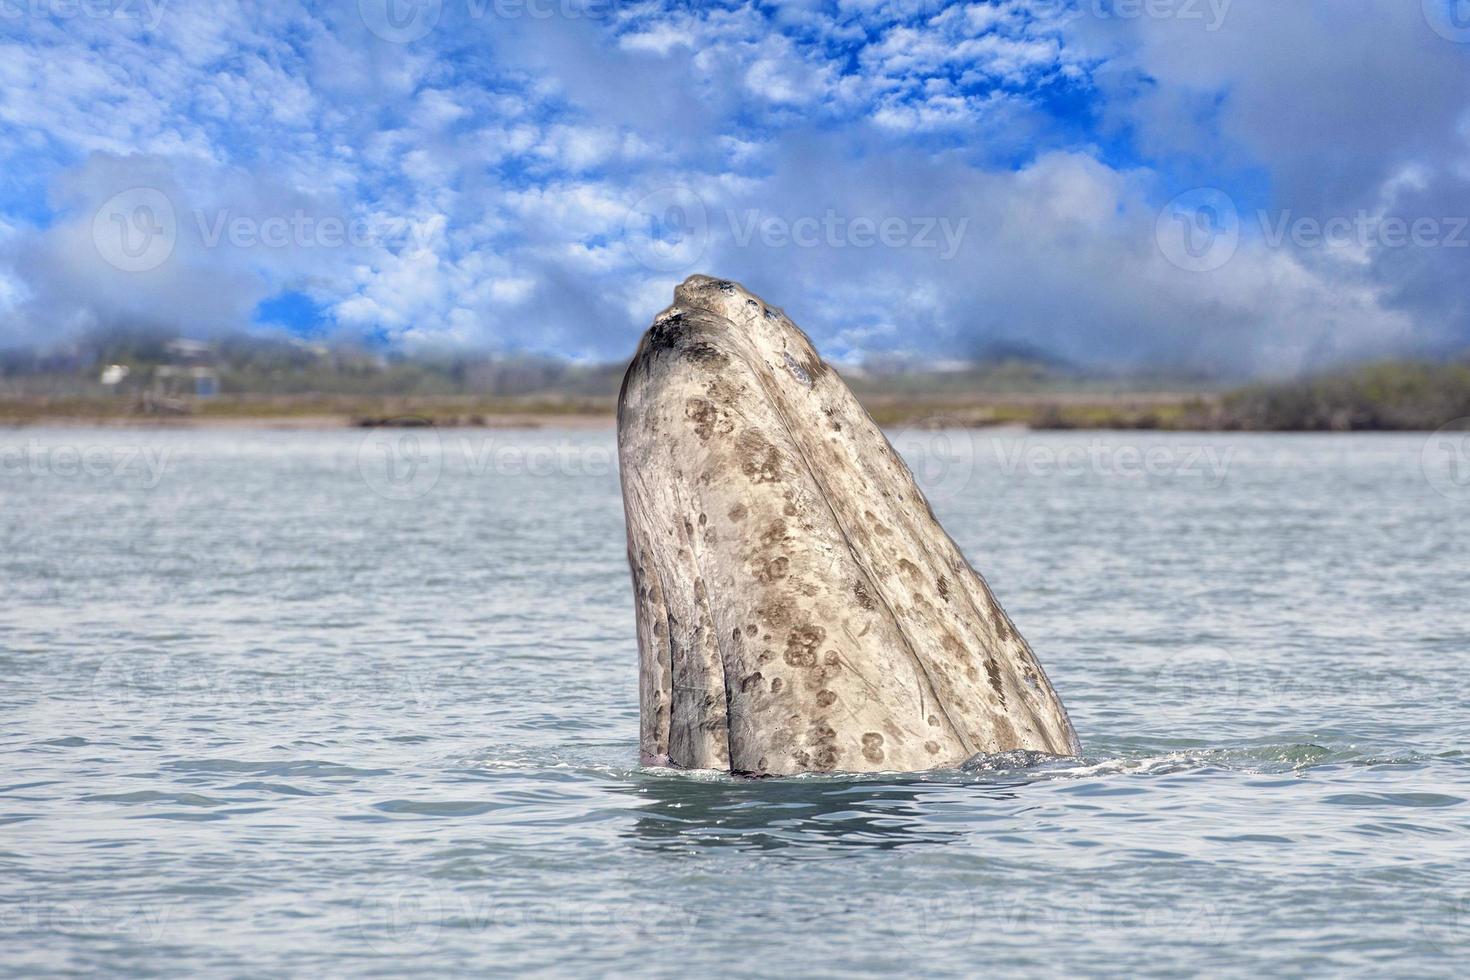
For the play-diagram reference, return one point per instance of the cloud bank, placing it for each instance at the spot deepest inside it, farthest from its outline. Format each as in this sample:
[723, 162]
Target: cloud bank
[1240, 186]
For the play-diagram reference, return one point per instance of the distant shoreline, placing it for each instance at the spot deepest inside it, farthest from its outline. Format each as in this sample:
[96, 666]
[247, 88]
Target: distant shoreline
[1037, 411]
[295, 422]
[1158, 413]
[1384, 397]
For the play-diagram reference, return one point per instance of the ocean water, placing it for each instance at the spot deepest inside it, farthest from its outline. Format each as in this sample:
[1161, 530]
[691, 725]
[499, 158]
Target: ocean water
[365, 703]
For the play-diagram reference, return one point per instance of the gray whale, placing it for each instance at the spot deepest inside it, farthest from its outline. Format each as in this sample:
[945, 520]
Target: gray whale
[799, 608]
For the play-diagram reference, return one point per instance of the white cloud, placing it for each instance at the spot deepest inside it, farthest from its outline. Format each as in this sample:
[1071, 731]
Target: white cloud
[508, 158]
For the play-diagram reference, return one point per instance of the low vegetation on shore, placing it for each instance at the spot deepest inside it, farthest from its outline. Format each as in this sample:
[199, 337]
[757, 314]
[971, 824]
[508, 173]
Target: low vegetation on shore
[136, 379]
[1386, 396]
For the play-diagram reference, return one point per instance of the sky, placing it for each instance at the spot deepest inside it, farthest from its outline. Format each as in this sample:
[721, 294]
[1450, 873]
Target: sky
[1251, 187]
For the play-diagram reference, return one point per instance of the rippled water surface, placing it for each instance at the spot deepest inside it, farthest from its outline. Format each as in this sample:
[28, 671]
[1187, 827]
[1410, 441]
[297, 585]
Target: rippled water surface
[366, 703]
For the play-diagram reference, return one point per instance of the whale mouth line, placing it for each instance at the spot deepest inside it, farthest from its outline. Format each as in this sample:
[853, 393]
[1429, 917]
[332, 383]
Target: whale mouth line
[920, 667]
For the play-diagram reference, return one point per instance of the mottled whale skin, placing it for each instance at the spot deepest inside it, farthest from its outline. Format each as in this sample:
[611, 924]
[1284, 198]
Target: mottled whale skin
[799, 607]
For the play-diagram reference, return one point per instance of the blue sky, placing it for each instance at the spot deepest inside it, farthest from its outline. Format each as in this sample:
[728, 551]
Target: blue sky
[1121, 182]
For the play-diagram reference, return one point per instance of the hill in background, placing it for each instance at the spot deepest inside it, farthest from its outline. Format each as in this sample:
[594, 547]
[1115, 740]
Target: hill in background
[142, 375]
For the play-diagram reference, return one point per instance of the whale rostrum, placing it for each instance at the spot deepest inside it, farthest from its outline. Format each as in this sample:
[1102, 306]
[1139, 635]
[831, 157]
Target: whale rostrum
[799, 607]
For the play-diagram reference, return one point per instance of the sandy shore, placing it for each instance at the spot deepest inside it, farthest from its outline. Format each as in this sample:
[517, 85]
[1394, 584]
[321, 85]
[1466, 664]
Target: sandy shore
[299, 422]
[1035, 410]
